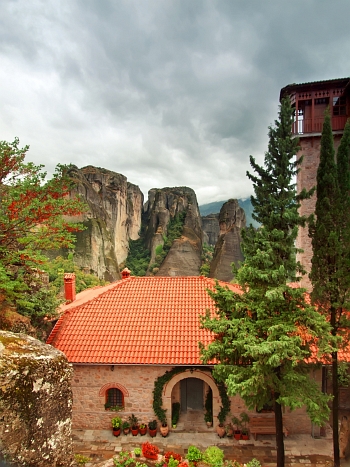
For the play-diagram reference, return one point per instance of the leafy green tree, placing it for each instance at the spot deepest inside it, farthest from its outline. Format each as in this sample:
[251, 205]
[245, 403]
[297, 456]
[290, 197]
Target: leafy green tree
[265, 335]
[57, 267]
[32, 221]
[330, 234]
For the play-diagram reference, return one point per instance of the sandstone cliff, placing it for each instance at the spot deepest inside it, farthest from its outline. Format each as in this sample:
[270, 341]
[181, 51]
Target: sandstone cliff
[211, 229]
[113, 217]
[163, 205]
[35, 403]
[228, 247]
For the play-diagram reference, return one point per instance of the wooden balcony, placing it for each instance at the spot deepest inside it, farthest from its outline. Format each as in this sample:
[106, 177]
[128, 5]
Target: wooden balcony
[309, 125]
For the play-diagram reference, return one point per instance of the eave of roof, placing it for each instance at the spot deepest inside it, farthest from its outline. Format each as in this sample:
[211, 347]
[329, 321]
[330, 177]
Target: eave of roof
[313, 85]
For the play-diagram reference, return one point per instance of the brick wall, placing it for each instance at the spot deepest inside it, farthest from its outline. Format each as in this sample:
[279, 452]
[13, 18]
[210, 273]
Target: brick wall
[310, 149]
[137, 383]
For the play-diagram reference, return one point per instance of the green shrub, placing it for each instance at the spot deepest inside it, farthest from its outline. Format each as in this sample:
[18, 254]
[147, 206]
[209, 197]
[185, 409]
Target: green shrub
[193, 454]
[213, 456]
[253, 463]
[80, 459]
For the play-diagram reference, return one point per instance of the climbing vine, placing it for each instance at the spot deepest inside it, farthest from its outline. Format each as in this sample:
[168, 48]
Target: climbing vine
[226, 403]
[158, 391]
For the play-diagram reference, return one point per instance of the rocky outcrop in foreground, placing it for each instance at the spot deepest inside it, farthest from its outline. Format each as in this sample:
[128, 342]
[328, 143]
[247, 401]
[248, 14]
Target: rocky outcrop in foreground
[112, 219]
[184, 257]
[35, 403]
[228, 247]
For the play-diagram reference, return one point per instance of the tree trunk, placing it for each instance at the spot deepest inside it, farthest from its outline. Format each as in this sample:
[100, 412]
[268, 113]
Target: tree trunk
[279, 432]
[336, 454]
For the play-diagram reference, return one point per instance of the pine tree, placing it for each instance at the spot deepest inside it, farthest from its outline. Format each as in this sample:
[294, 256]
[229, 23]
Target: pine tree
[330, 234]
[264, 336]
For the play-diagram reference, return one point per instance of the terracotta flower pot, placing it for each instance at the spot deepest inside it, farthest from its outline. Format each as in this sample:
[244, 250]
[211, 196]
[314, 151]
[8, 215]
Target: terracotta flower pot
[152, 433]
[220, 430]
[116, 431]
[134, 431]
[164, 430]
[143, 431]
[237, 435]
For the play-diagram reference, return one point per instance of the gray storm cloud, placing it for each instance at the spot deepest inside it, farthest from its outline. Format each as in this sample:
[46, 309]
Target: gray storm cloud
[166, 93]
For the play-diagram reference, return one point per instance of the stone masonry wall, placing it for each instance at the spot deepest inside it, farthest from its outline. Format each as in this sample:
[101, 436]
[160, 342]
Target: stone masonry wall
[137, 382]
[310, 149]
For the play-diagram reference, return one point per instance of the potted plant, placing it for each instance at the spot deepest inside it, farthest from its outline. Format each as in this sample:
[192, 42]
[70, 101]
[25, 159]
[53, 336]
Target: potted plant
[208, 418]
[142, 429]
[133, 420]
[244, 421]
[152, 428]
[126, 427]
[137, 452]
[237, 430]
[220, 429]
[150, 451]
[208, 405]
[229, 430]
[164, 429]
[175, 413]
[116, 425]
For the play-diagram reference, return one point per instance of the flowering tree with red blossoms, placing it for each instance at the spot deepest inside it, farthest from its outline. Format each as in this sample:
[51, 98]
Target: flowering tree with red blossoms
[33, 219]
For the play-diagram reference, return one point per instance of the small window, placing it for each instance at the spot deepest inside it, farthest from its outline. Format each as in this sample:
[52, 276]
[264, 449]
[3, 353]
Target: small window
[114, 398]
[339, 106]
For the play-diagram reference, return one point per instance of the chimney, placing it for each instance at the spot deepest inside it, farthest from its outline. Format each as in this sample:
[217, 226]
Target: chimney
[69, 287]
[125, 273]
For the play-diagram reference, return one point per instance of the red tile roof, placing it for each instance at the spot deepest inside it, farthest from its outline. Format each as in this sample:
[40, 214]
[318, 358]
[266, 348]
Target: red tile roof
[138, 320]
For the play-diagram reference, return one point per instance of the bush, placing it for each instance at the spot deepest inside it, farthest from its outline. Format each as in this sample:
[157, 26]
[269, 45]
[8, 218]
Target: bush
[193, 454]
[213, 456]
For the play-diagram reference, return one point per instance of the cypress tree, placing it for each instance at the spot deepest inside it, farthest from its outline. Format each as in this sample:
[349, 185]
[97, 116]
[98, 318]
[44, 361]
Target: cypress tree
[265, 335]
[330, 234]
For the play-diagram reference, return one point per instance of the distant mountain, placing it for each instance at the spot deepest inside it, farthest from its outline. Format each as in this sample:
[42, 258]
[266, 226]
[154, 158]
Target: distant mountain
[214, 208]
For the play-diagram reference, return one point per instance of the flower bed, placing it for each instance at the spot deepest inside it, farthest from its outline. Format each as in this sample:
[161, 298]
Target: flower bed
[150, 451]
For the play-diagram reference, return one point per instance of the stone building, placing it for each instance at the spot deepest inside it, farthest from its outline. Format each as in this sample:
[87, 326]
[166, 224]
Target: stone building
[122, 337]
[310, 100]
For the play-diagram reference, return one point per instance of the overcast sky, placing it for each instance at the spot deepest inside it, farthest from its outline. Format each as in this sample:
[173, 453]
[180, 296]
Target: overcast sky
[166, 92]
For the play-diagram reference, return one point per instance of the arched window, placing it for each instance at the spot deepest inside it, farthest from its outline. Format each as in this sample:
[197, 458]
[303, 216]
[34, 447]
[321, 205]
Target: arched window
[114, 397]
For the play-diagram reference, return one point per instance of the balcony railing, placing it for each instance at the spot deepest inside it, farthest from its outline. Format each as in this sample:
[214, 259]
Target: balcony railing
[309, 125]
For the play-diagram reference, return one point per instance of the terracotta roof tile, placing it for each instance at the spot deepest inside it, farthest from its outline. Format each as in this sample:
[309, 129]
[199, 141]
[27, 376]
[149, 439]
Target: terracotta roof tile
[138, 320]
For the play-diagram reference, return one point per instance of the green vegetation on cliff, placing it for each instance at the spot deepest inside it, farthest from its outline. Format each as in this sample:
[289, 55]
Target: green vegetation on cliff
[207, 256]
[138, 258]
[139, 255]
[175, 229]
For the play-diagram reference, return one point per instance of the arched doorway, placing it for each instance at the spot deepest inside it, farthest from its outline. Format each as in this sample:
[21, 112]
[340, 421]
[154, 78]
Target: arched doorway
[189, 388]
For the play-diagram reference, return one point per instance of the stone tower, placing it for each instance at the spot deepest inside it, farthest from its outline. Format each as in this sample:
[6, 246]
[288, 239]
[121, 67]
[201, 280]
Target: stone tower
[310, 100]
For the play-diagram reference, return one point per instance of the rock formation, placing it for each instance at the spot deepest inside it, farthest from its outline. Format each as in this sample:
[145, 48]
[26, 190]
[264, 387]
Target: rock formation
[184, 257]
[211, 228]
[35, 403]
[228, 247]
[113, 217]
[12, 321]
